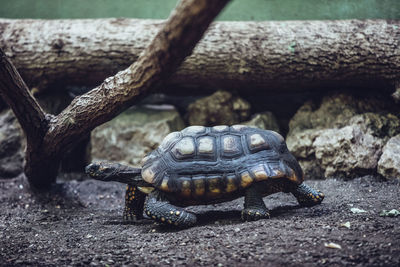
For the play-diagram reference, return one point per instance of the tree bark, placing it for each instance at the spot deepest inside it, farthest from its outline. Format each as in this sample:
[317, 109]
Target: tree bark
[174, 41]
[279, 55]
[26, 109]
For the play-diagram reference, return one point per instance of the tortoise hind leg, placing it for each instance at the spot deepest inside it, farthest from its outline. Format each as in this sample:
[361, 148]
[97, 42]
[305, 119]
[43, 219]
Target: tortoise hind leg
[307, 196]
[158, 208]
[254, 206]
[134, 201]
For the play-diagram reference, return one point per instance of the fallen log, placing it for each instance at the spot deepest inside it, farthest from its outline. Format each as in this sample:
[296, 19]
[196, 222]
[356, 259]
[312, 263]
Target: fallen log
[275, 55]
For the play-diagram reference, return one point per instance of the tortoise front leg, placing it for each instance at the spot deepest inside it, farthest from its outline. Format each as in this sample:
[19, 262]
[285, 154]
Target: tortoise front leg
[158, 208]
[307, 196]
[254, 206]
[134, 201]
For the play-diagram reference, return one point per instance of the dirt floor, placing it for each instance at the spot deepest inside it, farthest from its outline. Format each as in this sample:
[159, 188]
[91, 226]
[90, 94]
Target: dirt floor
[79, 223]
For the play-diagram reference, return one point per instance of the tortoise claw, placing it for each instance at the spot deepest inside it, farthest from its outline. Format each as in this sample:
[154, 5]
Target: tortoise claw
[307, 196]
[312, 199]
[254, 214]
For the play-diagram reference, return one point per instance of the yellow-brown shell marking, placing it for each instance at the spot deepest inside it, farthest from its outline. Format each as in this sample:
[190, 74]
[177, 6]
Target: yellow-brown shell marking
[278, 174]
[230, 184]
[199, 186]
[256, 140]
[294, 178]
[191, 130]
[185, 187]
[220, 128]
[231, 146]
[148, 174]
[239, 127]
[245, 180]
[259, 173]
[206, 145]
[184, 148]
[213, 186]
[164, 185]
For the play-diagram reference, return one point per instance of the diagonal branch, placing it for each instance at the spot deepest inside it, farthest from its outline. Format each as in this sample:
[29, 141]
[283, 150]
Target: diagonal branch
[175, 40]
[15, 92]
[48, 140]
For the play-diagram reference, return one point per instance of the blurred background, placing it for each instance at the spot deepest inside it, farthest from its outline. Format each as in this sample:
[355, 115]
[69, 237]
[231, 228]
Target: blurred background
[237, 10]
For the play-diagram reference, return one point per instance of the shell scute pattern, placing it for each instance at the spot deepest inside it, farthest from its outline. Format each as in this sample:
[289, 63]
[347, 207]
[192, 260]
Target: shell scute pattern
[206, 163]
[239, 127]
[170, 139]
[257, 142]
[220, 128]
[192, 130]
[214, 185]
[199, 186]
[199, 142]
[184, 148]
[206, 147]
[231, 146]
[153, 172]
[231, 184]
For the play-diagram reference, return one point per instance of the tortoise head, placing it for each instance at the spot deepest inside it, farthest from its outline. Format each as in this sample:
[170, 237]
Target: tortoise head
[103, 171]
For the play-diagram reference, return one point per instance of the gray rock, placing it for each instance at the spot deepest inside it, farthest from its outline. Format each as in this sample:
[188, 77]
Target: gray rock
[333, 112]
[389, 163]
[301, 143]
[396, 93]
[347, 152]
[134, 133]
[265, 120]
[218, 108]
[383, 126]
[12, 145]
[341, 137]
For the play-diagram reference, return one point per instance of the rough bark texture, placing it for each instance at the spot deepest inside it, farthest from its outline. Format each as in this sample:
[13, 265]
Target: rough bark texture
[17, 95]
[263, 55]
[31, 117]
[174, 41]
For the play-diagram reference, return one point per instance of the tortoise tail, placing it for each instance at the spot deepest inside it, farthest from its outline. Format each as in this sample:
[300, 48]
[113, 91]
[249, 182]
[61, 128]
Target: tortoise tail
[105, 171]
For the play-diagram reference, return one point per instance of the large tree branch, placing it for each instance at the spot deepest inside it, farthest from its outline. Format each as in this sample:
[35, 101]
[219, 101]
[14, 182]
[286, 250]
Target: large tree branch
[258, 55]
[174, 41]
[17, 95]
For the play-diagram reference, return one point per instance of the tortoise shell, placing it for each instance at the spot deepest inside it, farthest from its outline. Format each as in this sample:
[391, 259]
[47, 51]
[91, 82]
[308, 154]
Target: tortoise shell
[211, 162]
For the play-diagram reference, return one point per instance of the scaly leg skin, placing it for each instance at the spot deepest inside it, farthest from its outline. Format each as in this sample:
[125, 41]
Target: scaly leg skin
[307, 196]
[134, 201]
[159, 209]
[254, 207]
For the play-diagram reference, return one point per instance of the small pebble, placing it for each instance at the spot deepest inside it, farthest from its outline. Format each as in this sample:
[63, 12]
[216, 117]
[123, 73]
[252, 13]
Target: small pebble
[333, 245]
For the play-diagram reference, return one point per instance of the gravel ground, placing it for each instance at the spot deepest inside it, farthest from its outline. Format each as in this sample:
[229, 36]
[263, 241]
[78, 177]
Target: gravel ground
[79, 223]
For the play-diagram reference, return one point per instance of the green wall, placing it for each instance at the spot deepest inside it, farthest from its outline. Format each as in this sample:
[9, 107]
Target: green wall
[237, 10]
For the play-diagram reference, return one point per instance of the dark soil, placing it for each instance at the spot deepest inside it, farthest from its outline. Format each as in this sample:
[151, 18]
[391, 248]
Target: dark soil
[79, 223]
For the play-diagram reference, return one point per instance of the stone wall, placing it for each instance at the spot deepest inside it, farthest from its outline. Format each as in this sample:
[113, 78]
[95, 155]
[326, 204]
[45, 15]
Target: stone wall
[342, 135]
[334, 136]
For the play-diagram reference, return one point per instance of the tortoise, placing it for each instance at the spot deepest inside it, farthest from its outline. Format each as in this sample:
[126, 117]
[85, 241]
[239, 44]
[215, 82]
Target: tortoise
[206, 165]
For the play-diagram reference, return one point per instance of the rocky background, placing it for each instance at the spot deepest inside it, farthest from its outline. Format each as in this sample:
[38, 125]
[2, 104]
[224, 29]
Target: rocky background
[336, 135]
